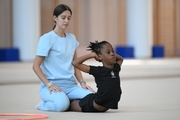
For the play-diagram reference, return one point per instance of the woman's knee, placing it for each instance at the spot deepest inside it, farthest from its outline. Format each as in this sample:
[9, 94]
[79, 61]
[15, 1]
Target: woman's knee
[57, 102]
[61, 105]
[56, 106]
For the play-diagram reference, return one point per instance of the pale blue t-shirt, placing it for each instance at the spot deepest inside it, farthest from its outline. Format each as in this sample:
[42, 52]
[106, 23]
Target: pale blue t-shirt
[59, 53]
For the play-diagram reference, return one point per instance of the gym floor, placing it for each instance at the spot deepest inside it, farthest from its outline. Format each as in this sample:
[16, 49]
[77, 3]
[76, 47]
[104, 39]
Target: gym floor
[150, 91]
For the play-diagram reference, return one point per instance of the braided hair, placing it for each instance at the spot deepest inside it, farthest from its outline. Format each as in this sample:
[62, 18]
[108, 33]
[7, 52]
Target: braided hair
[96, 46]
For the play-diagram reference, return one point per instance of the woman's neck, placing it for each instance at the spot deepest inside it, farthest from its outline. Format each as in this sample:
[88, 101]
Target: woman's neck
[60, 33]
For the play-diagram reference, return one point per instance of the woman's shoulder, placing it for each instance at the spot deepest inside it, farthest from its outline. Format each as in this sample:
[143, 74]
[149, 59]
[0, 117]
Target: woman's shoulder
[70, 35]
[48, 34]
[47, 37]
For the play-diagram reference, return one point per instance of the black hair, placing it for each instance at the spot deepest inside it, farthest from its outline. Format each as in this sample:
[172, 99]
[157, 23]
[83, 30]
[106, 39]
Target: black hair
[96, 46]
[59, 10]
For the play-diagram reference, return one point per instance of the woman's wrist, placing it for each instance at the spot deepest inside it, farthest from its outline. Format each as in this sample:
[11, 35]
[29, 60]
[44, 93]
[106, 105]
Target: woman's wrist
[49, 84]
[82, 81]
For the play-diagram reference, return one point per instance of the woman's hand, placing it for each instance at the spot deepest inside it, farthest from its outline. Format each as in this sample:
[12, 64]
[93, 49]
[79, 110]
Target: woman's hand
[83, 84]
[54, 88]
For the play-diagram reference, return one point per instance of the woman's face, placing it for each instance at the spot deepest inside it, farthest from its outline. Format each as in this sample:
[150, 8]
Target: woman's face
[62, 21]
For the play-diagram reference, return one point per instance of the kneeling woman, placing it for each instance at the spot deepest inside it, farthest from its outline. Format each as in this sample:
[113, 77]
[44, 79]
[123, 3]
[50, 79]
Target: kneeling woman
[106, 77]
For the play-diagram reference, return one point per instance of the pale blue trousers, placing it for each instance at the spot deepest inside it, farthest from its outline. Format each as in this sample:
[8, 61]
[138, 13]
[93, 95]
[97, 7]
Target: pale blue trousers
[60, 101]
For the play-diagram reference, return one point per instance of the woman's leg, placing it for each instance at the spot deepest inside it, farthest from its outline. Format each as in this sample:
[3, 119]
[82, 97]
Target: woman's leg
[77, 92]
[56, 101]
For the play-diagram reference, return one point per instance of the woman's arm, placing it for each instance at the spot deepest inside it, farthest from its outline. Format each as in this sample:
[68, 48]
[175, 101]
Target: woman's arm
[36, 67]
[79, 75]
[78, 72]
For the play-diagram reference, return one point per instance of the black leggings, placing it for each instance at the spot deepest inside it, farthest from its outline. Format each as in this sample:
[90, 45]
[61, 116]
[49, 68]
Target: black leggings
[86, 103]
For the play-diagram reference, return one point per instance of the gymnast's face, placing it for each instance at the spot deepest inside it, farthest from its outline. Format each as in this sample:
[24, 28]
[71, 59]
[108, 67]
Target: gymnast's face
[107, 55]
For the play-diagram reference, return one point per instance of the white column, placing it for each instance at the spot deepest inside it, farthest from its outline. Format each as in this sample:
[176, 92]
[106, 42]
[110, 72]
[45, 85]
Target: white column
[139, 22]
[26, 27]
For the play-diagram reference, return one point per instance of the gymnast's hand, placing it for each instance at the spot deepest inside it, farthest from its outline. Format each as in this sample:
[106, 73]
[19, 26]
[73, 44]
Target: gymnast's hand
[96, 57]
[54, 88]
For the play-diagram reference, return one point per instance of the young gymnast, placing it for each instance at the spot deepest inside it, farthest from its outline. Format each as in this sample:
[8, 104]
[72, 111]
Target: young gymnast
[106, 77]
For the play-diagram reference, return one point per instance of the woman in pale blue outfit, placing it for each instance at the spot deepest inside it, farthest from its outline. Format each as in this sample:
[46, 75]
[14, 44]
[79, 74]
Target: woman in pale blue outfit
[53, 65]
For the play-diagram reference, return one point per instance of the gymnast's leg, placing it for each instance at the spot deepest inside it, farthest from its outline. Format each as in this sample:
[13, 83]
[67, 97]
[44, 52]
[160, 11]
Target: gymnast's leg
[74, 106]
